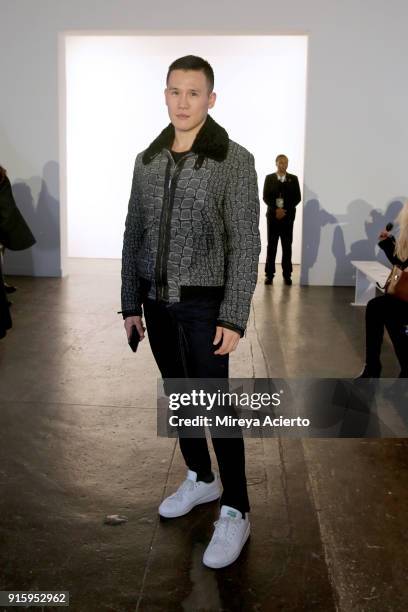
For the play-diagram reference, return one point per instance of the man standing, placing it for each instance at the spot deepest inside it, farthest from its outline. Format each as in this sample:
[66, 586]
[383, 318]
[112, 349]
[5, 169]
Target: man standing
[282, 195]
[190, 257]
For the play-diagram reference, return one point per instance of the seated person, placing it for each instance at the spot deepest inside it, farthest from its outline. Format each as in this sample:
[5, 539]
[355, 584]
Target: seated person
[386, 310]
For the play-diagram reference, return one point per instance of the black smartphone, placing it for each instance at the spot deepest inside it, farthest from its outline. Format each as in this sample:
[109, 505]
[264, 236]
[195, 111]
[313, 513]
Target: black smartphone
[134, 338]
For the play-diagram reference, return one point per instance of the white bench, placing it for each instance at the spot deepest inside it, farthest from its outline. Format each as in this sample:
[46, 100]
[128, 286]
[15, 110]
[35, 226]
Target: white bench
[368, 273]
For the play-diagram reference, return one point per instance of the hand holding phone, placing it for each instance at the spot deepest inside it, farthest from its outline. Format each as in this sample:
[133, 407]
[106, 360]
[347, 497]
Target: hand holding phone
[134, 338]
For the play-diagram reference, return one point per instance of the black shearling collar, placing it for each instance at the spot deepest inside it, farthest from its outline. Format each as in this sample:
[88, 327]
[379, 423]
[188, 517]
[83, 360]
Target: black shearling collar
[211, 141]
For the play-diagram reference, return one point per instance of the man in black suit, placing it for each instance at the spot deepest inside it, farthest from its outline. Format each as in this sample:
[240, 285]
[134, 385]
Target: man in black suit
[282, 195]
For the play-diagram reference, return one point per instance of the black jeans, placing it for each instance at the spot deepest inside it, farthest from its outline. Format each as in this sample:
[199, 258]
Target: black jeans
[282, 229]
[385, 310]
[181, 338]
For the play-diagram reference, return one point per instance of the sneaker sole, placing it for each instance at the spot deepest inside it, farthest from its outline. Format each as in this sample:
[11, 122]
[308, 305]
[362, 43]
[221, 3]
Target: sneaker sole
[203, 500]
[221, 565]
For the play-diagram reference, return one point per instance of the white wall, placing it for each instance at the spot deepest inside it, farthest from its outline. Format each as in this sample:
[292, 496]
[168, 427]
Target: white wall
[106, 125]
[356, 132]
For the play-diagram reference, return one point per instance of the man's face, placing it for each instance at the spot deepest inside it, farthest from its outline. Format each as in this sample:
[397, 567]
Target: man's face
[282, 164]
[188, 99]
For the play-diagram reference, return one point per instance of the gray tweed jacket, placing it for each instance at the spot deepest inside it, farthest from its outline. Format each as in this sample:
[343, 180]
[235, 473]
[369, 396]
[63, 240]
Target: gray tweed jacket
[193, 224]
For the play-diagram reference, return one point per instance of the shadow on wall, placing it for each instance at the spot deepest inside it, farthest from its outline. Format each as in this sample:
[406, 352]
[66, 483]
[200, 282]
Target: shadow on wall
[41, 210]
[355, 237]
[314, 219]
[360, 228]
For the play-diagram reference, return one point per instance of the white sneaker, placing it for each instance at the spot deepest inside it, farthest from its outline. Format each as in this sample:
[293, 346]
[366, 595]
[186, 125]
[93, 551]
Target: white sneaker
[189, 494]
[230, 534]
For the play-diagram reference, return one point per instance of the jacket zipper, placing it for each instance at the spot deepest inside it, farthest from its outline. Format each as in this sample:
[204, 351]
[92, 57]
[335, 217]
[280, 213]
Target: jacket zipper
[162, 288]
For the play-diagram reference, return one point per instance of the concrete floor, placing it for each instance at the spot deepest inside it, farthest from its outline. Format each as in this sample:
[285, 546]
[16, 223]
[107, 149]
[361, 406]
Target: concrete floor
[78, 441]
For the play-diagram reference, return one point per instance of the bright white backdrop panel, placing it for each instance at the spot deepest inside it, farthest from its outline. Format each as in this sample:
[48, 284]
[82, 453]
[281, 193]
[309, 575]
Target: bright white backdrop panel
[115, 107]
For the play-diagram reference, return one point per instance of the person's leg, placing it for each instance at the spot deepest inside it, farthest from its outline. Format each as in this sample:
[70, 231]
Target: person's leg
[199, 323]
[163, 339]
[8, 288]
[286, 241]
[396, 323]
[198, 320]
[374, 323]
[273, 237]
[230, 454]
[169, 350]
[5, 318]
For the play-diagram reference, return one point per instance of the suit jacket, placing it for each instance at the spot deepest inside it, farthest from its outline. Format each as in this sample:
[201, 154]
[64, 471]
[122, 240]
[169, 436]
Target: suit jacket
[289, 191]
[14, 231]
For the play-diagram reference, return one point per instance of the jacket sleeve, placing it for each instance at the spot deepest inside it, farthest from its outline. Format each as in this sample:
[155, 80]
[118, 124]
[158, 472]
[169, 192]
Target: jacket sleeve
[388, 246]
[297, 196]
[269, 192]
[243, 245]
[130, 294]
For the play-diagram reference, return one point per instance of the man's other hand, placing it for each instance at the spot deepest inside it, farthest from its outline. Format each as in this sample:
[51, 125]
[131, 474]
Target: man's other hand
[280, 213]
[129, 322]
[229, 339]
